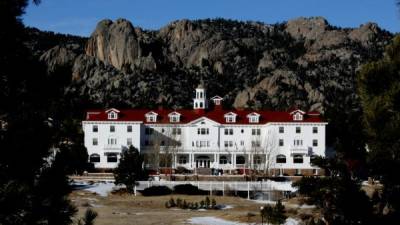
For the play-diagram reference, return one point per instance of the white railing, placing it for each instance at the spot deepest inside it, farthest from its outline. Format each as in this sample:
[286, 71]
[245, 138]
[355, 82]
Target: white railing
[224, 185]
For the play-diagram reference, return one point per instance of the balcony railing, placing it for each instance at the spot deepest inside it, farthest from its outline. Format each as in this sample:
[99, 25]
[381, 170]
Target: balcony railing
[299, 150]
[112, 148]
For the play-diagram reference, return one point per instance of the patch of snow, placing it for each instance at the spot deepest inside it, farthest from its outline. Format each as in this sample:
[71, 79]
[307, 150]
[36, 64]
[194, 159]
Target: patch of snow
[210, 220]
[227, 207]
[291, 221]
[269, 202]
[100, 188]
[305, 206]
[202, 210]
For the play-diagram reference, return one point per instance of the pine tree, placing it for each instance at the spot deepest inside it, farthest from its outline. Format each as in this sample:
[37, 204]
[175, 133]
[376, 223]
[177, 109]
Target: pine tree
[33, 188]
[129, 169]
[379, 90]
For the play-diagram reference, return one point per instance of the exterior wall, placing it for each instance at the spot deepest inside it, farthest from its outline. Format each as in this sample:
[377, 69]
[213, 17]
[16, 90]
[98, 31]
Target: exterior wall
[189, 138]
[103, 135]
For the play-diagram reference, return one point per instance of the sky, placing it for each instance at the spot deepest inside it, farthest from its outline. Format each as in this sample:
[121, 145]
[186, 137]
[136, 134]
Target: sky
[79, 17]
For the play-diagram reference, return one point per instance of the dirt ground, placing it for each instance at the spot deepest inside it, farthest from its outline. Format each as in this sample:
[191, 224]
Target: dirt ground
[121, 209]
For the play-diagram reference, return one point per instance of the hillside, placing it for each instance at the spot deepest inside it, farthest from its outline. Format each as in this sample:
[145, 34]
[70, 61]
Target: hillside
[304, 62]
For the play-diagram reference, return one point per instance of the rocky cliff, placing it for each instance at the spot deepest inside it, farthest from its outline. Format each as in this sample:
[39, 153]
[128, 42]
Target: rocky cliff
[305, 62]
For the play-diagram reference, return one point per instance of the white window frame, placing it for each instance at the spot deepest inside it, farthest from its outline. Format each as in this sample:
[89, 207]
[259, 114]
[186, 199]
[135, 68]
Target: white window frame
[112, 115]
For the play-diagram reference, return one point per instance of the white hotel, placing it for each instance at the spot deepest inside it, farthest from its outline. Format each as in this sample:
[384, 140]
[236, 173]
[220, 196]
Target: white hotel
[209, 137]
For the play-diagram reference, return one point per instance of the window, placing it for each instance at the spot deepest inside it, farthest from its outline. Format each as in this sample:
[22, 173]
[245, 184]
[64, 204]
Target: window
[95, 128]
[255, 131]
[129, 128]
[228, 131]
[203, 131]
[202, 144]
[298, 130]
[112, 115]
[240, 159]
[280, 159]
[182, 160]
[129, 141]
[315, 130]
[94, 158]
[314, 143]
[297, 172]
[281, 130]
[223, 160]
[313, 159]
[112, 128]
[297, 159]
[253, 119]
[281, 142]
[151, 117]
[112, 141]
[148, 131]
[315, 172]
[176, 131]
[255, 144]
[242, 131]
[174, 117]
[112, 157]
[298, 142]
[228, 144]
[242, 143]
[162, 143]
[298, 116]
[230, 117]
[257, 159]
[95, 141]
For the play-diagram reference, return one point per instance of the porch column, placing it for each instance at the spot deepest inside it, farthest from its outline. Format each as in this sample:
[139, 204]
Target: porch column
[234, 160]
[175, 161]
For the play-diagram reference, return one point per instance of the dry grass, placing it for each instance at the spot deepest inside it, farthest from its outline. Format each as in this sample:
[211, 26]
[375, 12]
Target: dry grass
[121, 209]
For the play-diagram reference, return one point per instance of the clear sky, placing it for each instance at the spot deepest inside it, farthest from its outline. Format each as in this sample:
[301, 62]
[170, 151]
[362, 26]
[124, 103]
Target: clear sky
[80, 16]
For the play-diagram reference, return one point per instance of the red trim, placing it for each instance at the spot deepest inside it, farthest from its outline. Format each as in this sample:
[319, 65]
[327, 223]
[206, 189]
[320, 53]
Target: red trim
[188, 116]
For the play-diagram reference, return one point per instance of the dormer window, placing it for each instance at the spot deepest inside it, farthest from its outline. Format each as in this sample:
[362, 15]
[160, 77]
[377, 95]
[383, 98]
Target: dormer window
[151, 117]
[217, 100]
[297, 115]
[112, 114]
[174, 117]
[230, 117]
[253, 117]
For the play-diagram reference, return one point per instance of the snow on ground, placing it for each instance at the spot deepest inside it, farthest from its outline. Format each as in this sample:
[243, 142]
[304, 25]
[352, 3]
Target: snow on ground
[291, 221]
[101, 188]
[269, 202]
[210, 220]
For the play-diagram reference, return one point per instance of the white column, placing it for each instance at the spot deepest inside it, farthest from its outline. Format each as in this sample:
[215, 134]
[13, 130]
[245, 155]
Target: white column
[175, 161]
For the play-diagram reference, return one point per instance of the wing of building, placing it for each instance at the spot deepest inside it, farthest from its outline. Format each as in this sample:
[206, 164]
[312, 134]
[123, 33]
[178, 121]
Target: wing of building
[208, 137]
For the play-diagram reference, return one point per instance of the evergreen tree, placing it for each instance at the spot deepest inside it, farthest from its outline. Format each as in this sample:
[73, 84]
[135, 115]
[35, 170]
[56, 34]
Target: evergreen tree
[33, 189]
[379, 89]
[130, 168]
[338, 195]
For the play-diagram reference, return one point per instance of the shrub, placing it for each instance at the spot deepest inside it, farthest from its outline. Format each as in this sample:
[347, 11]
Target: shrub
[213, 203]
[188, 189]
[179, 203]
[172, 202]
[156, 191]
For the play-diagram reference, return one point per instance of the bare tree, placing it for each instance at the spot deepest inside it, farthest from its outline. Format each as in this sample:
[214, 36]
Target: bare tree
[270, 149]
[164, 144]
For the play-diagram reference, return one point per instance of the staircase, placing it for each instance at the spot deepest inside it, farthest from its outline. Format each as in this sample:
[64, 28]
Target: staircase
[203, 171]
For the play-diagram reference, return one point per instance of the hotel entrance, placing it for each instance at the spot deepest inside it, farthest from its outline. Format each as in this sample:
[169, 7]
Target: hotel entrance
[203, 161]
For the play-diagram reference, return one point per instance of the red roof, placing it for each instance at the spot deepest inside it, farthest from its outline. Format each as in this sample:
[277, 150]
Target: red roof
[189, 115]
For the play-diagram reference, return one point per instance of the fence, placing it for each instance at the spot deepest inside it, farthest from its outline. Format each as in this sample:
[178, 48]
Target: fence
[223, 186]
